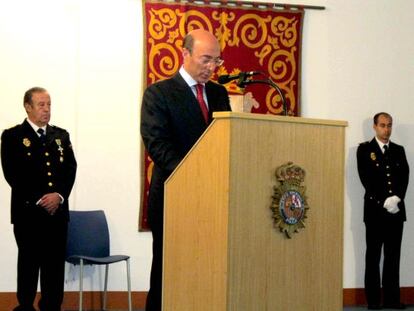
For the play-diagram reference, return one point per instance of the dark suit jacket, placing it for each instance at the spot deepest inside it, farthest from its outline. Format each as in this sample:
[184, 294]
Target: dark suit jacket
[171, 122]
[381, 181]
[33, 170]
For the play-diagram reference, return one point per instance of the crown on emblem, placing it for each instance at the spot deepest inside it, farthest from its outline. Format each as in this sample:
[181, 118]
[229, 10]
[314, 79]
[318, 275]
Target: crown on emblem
[290, 173]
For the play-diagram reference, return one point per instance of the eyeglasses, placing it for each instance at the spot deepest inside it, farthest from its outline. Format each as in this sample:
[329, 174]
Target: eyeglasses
[207, 60]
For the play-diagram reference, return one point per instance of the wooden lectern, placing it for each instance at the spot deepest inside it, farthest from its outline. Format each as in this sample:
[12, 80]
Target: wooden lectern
[221, 248]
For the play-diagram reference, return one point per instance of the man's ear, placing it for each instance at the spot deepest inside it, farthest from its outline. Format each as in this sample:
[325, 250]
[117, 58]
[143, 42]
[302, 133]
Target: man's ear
[28, 107]
[186, 52]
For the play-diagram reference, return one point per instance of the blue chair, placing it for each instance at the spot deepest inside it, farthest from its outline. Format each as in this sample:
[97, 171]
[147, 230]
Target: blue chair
[88, 244]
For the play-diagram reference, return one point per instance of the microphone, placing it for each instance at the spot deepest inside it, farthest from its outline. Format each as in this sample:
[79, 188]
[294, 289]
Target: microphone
[242, 75]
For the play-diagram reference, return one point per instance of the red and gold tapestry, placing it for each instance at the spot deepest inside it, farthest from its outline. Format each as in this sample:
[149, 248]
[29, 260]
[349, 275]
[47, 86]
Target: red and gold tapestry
[253, 37]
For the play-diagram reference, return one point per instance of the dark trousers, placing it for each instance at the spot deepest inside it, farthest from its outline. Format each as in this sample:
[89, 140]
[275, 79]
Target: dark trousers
[387, 235]
[154, 297]
[41, 250]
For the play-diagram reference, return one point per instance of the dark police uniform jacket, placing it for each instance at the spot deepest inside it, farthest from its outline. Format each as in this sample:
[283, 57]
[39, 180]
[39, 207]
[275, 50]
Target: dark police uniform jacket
[382, 178]
[33, 169]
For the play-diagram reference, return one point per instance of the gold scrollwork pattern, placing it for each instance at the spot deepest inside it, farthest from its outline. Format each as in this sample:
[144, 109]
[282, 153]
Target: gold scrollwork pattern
[281, 65]
[247, 36]
[274, 102]
[166, 58]
[193, 19]
[285, 29]
[250, 30]
[160, 21]
[223, 33]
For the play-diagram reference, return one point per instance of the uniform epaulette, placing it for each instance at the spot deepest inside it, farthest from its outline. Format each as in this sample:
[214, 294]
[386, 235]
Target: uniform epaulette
[13, 127]
[57, 128]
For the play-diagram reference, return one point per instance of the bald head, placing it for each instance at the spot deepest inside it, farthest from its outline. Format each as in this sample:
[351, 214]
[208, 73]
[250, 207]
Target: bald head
[201, 54]
[199, 35]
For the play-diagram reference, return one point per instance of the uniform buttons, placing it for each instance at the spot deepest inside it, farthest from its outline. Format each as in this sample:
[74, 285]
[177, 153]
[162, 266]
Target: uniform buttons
[47, 154]
[389, 183]
[48, 163]
[388, 174]
[29, 154]
[49, 174]
[390, 191]
[387, 166]
[50, 184]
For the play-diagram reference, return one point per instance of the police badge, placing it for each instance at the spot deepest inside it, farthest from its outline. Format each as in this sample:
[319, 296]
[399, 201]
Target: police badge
[26, 142]
[289, 204]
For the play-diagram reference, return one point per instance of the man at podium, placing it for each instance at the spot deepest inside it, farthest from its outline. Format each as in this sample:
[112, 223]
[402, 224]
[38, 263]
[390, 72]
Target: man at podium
[174, 114]
[383, 170]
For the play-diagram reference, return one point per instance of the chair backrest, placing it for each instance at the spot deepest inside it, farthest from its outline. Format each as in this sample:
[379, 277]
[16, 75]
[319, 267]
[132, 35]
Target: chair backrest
[88, 235]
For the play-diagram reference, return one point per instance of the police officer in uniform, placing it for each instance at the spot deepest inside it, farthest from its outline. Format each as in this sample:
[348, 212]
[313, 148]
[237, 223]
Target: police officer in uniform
[384, 172]
[39, 164]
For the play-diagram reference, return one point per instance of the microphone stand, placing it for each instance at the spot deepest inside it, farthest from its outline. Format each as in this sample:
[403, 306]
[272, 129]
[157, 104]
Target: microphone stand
[243, 81]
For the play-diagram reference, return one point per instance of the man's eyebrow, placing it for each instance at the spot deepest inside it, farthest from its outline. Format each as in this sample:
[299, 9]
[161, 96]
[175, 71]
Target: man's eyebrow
[209, 56]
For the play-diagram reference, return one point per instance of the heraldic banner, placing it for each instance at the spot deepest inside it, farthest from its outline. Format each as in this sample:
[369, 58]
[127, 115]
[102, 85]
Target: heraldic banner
[252, 36]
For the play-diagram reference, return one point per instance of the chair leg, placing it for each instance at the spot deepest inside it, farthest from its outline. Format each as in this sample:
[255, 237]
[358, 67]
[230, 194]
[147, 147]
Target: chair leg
[105, 286]
[129, 286]
[80, 284]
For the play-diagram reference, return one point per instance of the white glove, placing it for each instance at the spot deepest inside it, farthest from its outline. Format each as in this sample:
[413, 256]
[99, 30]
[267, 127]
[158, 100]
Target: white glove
[391, 204]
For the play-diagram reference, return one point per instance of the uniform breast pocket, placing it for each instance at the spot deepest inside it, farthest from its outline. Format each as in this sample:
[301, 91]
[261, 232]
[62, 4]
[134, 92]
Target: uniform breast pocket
[375, 166]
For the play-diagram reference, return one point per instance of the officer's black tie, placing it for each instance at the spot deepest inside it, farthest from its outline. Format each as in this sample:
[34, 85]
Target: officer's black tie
[42, 135]
[385, 151]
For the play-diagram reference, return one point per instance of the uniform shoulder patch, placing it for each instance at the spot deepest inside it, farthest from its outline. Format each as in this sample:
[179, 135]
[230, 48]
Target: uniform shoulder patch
[57, 128]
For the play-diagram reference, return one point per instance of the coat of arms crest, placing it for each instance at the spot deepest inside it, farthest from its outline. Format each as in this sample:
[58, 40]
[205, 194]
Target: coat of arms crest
[289, 204]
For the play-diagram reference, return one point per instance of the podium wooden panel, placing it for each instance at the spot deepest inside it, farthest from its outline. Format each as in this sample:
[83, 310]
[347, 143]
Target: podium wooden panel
[221, 249]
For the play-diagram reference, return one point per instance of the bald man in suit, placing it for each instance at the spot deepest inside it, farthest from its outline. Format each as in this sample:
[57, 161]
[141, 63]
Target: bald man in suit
[175, 112]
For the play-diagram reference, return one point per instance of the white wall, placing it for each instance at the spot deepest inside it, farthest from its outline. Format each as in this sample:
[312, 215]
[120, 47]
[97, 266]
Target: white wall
[88, 54]
[357, 60]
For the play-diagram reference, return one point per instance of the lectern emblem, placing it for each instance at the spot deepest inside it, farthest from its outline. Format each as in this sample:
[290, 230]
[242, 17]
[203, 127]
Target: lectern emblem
[289, 204]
